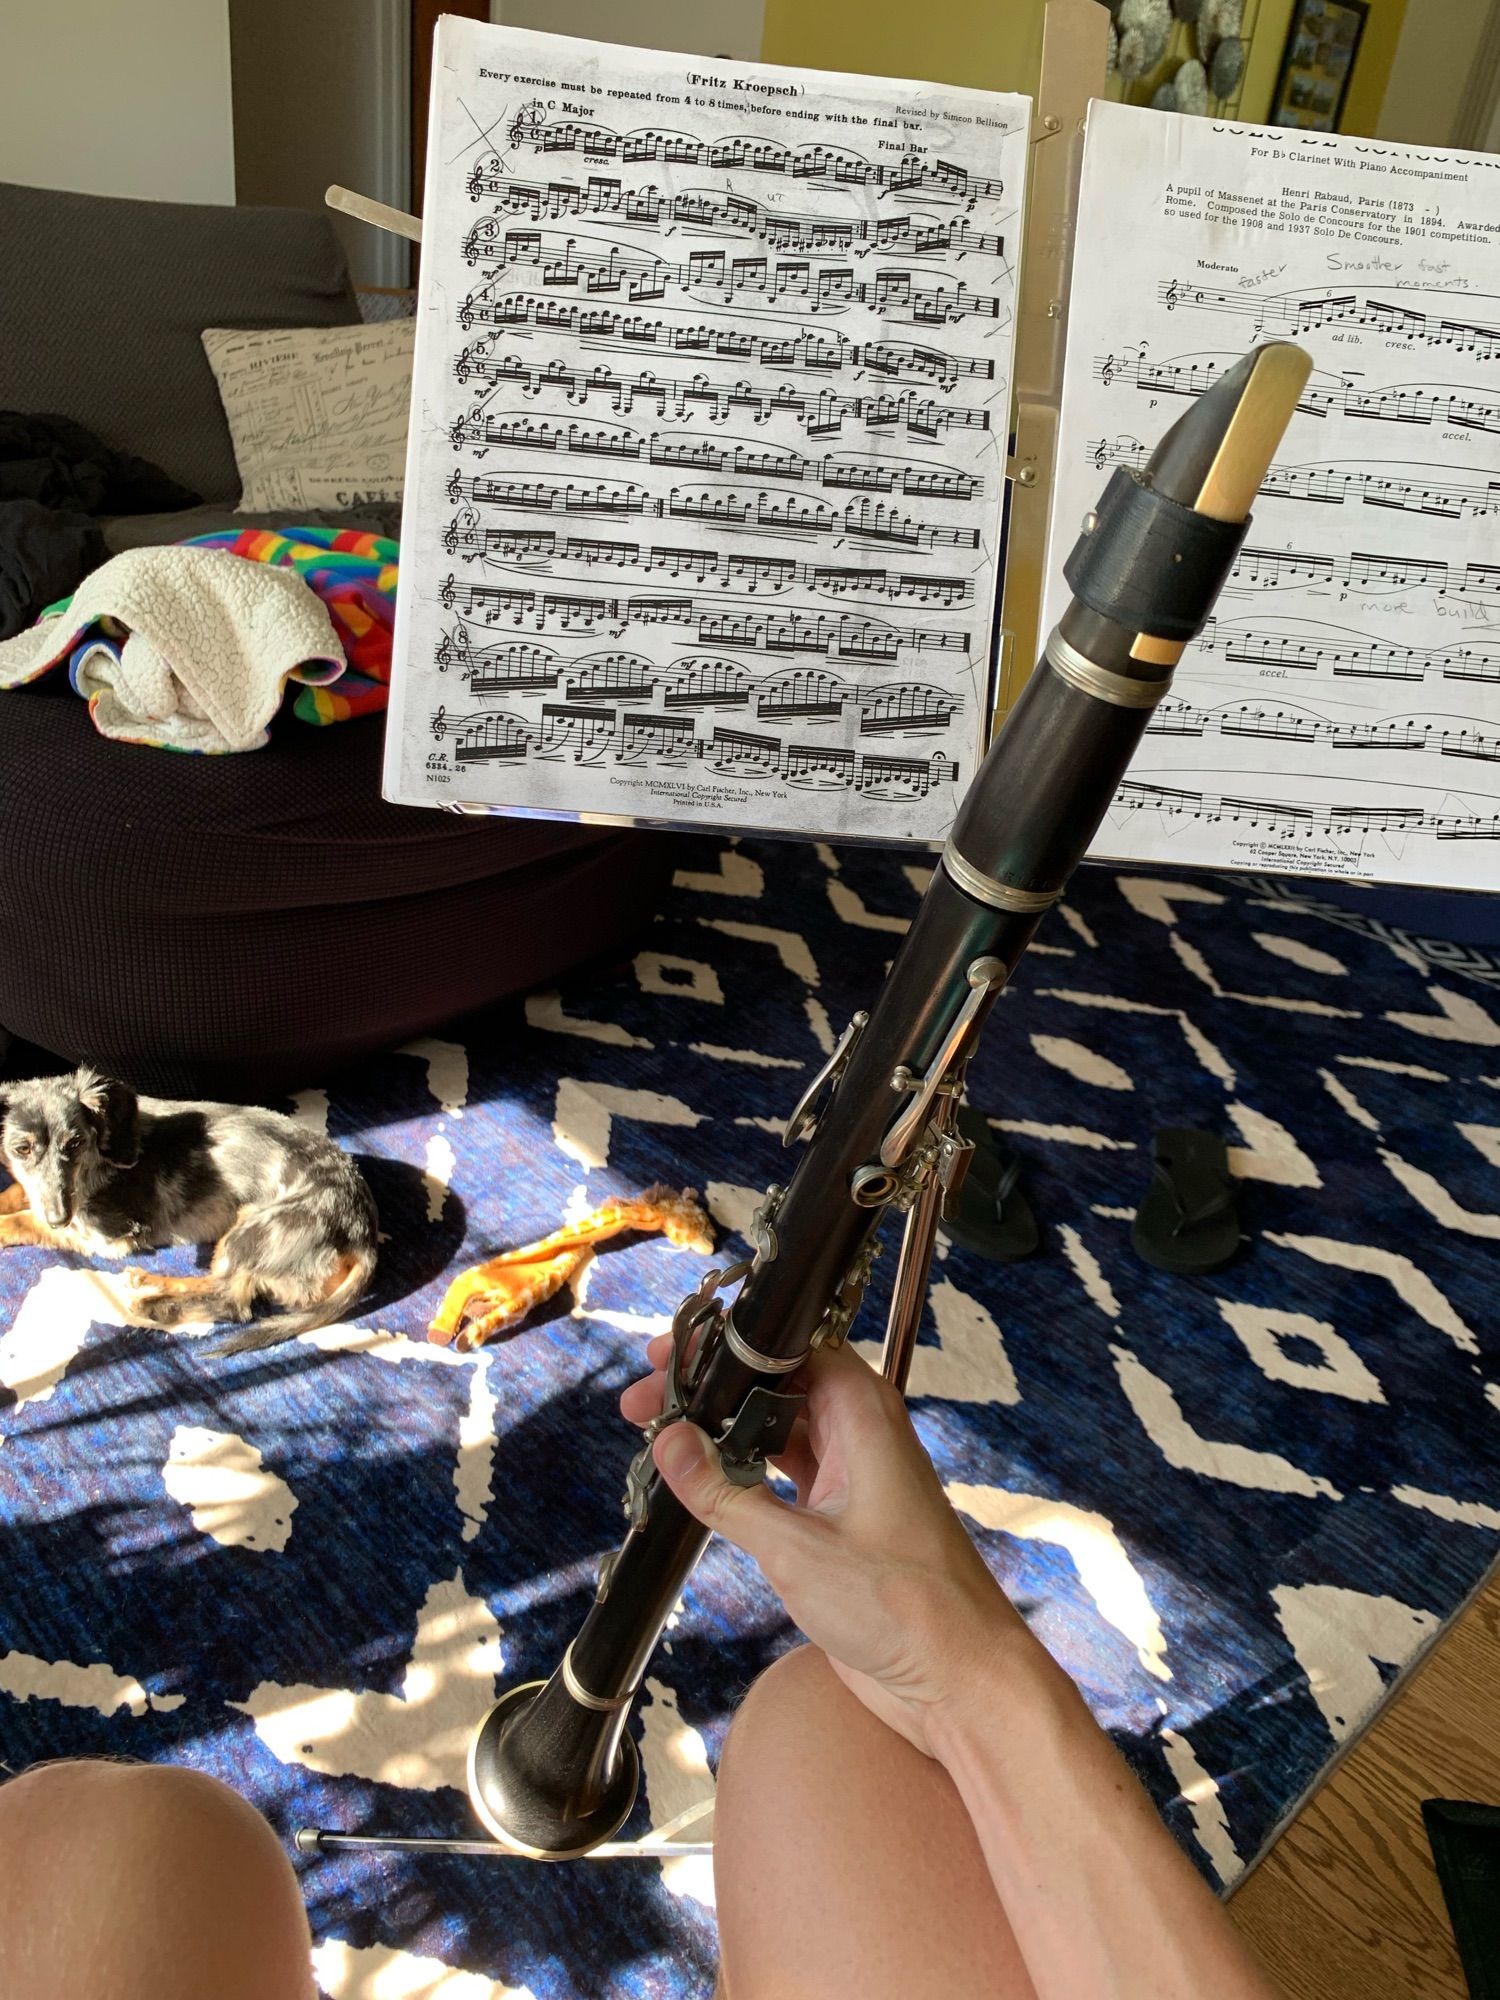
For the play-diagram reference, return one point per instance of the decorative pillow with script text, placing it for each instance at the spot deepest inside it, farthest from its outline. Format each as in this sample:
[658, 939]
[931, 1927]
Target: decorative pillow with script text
[318, 414]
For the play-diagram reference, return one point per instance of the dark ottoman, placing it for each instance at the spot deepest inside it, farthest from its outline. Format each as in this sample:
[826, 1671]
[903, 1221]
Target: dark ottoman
[235, 927]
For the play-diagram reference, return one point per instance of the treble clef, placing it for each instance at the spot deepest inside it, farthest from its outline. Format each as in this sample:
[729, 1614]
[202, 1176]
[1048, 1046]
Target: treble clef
[450, 536]
[440, 725]
[457, 435]
[1099, 455]
[1107, 372]
[448, 591]
[1173, 294]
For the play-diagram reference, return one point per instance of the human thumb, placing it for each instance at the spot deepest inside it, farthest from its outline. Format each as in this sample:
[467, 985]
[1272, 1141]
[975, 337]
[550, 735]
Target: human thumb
[748, 1516]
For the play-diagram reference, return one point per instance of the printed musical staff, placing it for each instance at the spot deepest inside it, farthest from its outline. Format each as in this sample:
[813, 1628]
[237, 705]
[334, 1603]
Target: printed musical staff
[541, 548]
[710, 444]
[821, 413]
[902, 297]
[730, 214]
[847, 637]
[698, 681]
[740, 461]
[1342, 711]
[1270, 569]
[1344, 654]
[1295, 816]
[762, 513]
[817, 352]
[812, 163]
[1401, 403]
[1298, 316]
[629, 737]
[1400, 490]
[1443, 736]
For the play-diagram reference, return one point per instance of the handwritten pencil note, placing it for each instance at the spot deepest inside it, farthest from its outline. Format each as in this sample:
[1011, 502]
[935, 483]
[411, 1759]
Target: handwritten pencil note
[709, 427]
[1341, 713]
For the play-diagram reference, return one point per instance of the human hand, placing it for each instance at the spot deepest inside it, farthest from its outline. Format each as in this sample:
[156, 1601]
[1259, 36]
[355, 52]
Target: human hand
[872, 1563]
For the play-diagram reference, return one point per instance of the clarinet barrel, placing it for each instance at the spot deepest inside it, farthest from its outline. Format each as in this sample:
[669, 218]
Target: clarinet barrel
[553, 1768]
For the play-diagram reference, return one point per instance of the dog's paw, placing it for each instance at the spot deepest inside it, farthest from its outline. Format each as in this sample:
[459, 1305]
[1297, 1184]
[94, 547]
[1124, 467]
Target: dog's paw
[155, 1308]
[134, 1278]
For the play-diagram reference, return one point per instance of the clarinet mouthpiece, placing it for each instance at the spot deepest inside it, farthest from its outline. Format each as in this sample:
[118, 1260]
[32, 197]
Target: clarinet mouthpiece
[1157, 550]
[1215, 456]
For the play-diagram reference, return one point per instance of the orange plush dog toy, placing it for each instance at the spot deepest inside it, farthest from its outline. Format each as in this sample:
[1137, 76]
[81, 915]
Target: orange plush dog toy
[498, 1294]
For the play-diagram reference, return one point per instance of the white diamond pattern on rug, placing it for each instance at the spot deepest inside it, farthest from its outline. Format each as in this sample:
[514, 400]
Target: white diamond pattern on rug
[1273, 1337]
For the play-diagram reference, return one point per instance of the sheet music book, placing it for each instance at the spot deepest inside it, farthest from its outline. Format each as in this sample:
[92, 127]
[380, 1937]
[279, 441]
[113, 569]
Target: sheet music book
[1341, 713]
[709, 425]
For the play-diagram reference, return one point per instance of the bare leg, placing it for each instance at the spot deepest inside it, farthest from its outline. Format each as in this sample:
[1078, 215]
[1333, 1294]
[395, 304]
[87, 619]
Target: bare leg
[144, 1882]
[844, 1862]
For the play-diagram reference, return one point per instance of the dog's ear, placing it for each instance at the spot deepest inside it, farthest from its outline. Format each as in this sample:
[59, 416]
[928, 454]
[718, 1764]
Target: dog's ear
[112, 1106]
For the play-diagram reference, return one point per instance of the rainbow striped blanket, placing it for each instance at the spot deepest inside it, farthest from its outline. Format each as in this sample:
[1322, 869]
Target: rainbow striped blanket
[355, 575]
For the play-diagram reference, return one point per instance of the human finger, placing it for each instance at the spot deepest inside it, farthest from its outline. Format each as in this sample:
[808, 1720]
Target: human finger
[749, 1516]
[798, 1461]
[643, 1400]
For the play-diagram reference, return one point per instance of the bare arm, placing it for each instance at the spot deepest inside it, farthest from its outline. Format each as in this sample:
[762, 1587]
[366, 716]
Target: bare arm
[877, 1569]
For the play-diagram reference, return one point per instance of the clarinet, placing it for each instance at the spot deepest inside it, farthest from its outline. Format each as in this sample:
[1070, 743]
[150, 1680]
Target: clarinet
[553, 1771]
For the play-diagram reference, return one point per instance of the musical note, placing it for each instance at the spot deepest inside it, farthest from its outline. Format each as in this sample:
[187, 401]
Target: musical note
[720, 420]
[1342, 712]
[676, 396]
[813, 163]
[1273, 568]
[602, 196]
[1404, 489]
[1395, 320]
[899, 296]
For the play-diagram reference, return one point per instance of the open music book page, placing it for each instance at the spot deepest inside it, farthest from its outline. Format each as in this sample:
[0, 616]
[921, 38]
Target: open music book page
[709, 427]
[1341, 713]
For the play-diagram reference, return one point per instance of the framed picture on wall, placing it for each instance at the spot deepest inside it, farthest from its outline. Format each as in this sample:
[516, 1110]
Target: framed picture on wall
[1317, 63]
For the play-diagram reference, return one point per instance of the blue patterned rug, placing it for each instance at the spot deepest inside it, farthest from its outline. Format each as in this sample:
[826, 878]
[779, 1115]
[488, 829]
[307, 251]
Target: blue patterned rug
[1234, 1507]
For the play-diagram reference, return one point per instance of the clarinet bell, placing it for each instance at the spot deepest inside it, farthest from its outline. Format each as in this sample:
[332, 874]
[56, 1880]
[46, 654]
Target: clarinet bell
[550, 1774]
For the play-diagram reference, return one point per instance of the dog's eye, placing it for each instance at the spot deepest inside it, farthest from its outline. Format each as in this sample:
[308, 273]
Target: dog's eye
[22, 1149]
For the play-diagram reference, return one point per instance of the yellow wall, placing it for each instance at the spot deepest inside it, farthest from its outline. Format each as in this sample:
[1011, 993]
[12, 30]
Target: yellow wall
[996, 44]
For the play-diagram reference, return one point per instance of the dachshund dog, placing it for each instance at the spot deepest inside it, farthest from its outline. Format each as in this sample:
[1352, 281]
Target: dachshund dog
[104, 1172]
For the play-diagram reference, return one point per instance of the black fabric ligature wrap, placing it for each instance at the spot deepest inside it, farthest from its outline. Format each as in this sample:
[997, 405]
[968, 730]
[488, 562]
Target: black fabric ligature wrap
[1151, 564]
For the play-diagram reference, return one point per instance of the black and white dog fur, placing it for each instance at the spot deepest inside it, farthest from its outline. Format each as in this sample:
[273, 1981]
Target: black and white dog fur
[109, 1174]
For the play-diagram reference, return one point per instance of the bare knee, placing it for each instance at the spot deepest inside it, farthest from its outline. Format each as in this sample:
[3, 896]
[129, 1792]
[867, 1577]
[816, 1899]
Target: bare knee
[87, 1800]
[800, 1687]
[177, 1869]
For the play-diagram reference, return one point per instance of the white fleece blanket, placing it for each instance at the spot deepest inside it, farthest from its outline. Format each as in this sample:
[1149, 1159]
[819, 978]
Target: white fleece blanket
[183, 648]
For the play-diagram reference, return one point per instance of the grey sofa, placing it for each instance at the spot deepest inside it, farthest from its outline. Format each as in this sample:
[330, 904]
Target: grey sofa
[237, 927]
